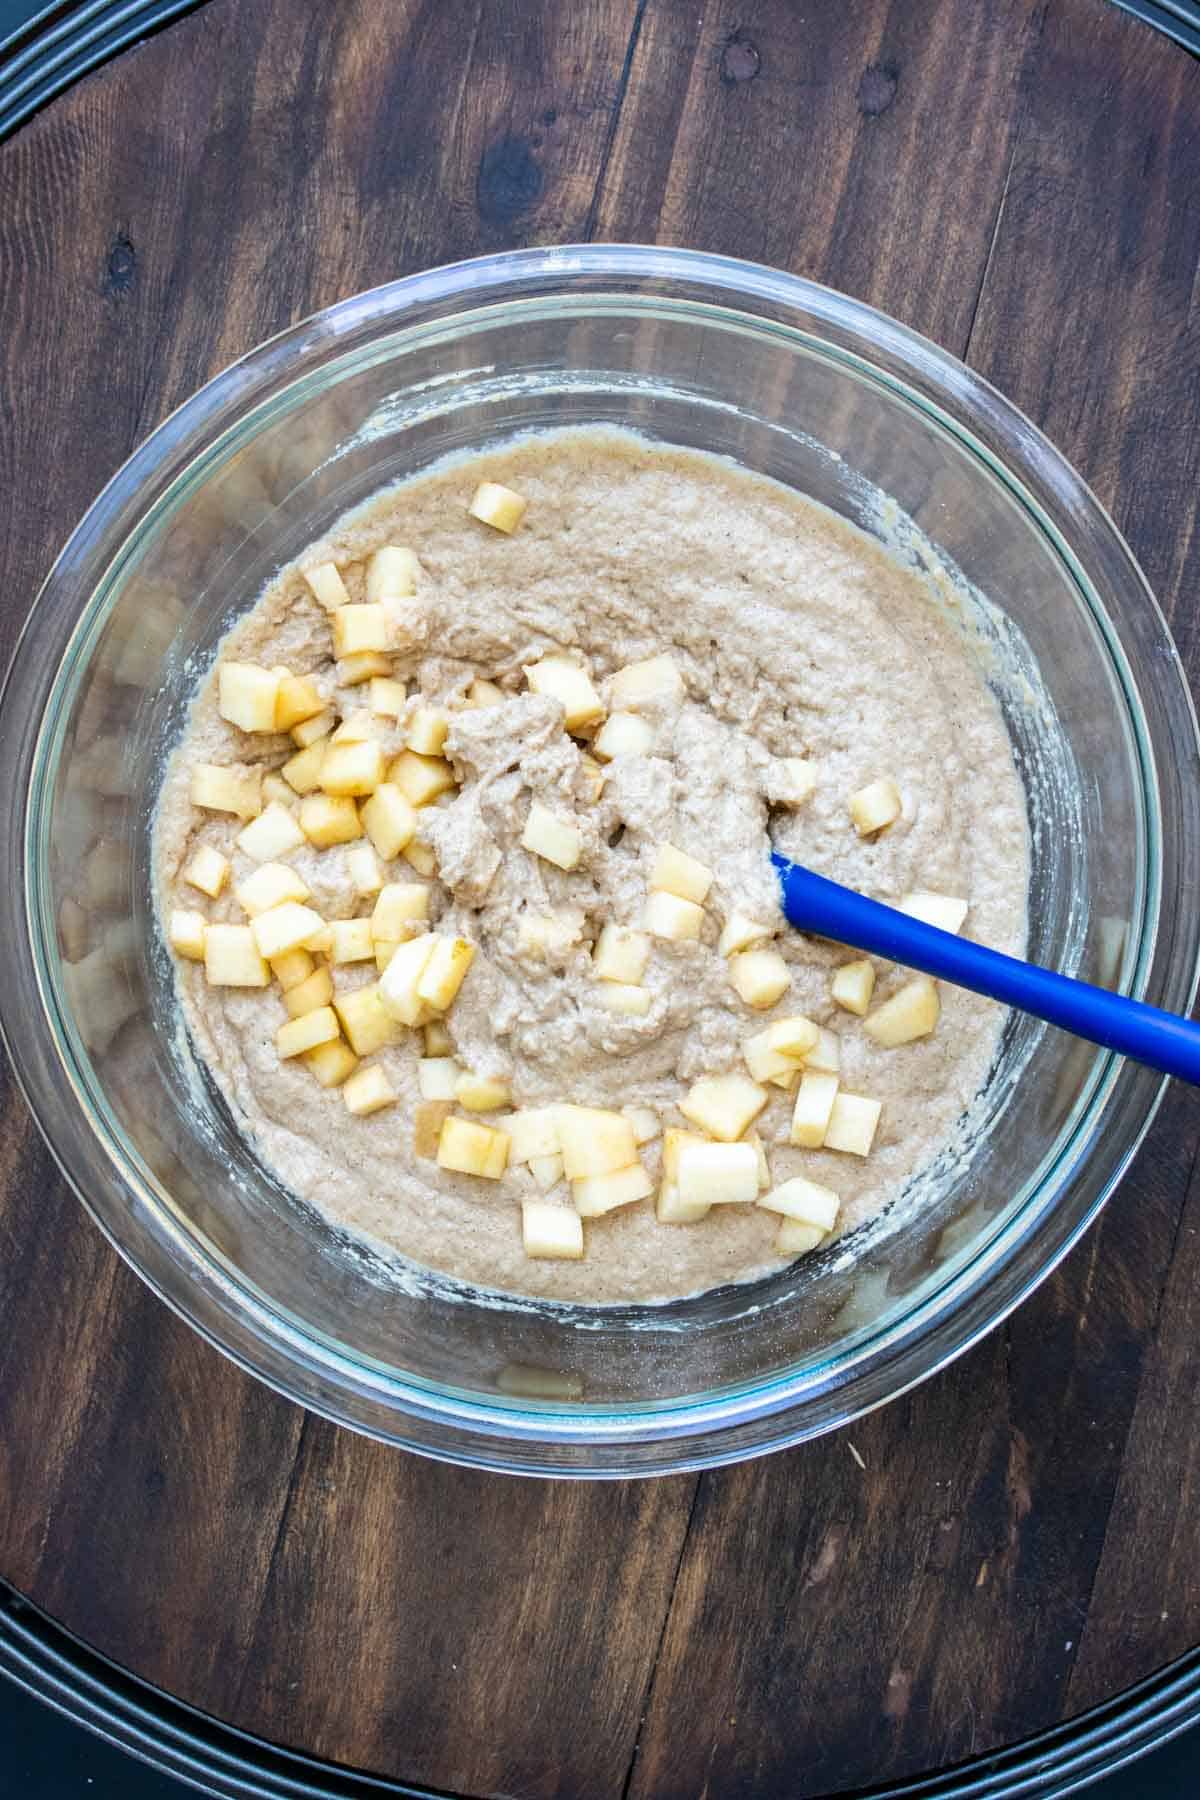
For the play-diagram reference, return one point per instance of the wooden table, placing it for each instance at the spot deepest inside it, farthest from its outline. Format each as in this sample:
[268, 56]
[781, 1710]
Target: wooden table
[1016, 178]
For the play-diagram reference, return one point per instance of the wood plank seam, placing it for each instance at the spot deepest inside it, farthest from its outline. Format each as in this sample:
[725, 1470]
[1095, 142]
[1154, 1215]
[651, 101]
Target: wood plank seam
[593, 213]
[307, 1423]
[652, 1673]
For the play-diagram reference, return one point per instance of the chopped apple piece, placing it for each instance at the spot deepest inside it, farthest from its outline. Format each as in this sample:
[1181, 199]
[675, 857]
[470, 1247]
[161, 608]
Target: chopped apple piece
[675, 872]
[760, 977]
[852, 1124]
[208, 870]
[387, 697]
[331, 1063]
[274, 787]
[359, 628]
[643, 1123]
[232, 958]
[362, 866]
[472, 1149]
[657, 678]
[392, 572]
[795, 1036]
[497, 506]
[400, 906]
[365, 1020]
[764, 1167]
[935, 909]
[428, 1119]
[551, 838]
[285, 927]
[624, 997]
[271, 835]
[421, 778]
[186, 932]
[623, 734]
[667, 916]
[302, 772]
[826, 1058]
[218, 788]
[427, 730]
[852, 986]
[542, 935]
[398, 983]
[874, 807]
[597, 1194]
[739, 932]
[270, 885]
[804, 1200]
[814, 1104]
[482, 1093]
[723, 1105]
[547, 1171]
[321, 942]
[311, 731]
[368, 1091]
[593, 777]
[551, 1232]
[421, 857]
[327, 585]
[364, 665]
[534, 1132]
[797, 1239]
[246, 695]
[438, 1077]
[562, 679]
[308, 995]
[621, 954]
[909, 1014]
[764, 1063]
[296, 701]
[669, 1209]
[437, 1038]
[385, 949]
[290, 969]
[801, 780]
[357, 728]
[442, 974]
[327, 819]
[594, 1141]
[355, 769]
[717, 1174]
[306, 1033]
[485, 693]
[390, 820]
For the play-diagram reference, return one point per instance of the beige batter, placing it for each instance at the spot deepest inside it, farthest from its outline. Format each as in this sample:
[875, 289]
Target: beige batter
[796, 636]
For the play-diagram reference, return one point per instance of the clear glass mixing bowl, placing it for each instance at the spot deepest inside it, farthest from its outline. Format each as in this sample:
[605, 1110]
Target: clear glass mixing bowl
[791, 379]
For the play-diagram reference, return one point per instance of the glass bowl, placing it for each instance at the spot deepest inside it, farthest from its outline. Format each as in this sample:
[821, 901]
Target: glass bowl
[791, 379]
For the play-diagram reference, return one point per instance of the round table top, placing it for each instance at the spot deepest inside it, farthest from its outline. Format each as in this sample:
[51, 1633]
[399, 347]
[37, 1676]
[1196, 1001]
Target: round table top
[996, 1552]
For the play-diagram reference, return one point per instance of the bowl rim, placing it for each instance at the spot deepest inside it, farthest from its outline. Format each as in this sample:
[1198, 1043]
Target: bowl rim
[304, 1366]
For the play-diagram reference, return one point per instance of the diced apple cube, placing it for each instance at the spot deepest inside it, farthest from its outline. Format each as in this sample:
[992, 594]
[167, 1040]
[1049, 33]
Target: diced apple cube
[763, 1062]
[852, 986]
[498, 506]
[485, 693]
[656, 678]
[284, 927]
[669, 1209]
[723, 1105]
[327, 585]
[321, 942]
[207, 870]
[327, 819]
[623, 734]
[273, 834]
[310, 731]
[427, 730]
[391, 574]
[644, 1124]
[909, 1014]
[675, 872]
[359, 628]
[801, 780]
[739, 932]
[233, 959]
[363, 665]
[421, 857]
[621, 954]
[387, 697]
[390, 820]
[472, 1149]
[814, 1104]
[437, 1038]
[875, 806]
[306, 1033]
[270, 885]
[352, 941]
[246, 695]
[400, 906]
[547, 1171]
[826, 1057]
[365, 1020]
[368, 1091]
[941, 910]
[274, 787]
[428, 1118]
[551, 1232]
[355, 769]
[357, 728]
[597, 1194]
[534, 1132]
[398, 983]
[542, 935]
[852, 1124]
[624, 997]
[331, 1063]
[308, 995]
[218, 788]
[593, 777]
[551, 838]
[760, 977]
[186, 932]
[717, 1174]
[667, 916]
[362, 866]
[296, 701]
[795, 1036]
[764, 1167]
[302, 772]
[797, 1239]
[438, 1077]
[290, 969]
[443, 973]
[421, 778]
[804, 1200]
[594, 1141]
[482, 1093]
[562, 679]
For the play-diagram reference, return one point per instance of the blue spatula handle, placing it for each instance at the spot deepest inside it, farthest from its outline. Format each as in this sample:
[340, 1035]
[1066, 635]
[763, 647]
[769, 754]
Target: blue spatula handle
[1147, 1034]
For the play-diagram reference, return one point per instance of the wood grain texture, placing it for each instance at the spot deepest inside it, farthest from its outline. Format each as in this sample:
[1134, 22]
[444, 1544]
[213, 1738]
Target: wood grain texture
[1010, 177]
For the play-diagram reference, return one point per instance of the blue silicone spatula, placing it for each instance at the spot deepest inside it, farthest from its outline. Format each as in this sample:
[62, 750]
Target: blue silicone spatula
[827, 909]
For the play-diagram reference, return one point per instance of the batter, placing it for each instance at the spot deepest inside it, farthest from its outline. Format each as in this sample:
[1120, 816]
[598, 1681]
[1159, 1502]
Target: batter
[795, 637]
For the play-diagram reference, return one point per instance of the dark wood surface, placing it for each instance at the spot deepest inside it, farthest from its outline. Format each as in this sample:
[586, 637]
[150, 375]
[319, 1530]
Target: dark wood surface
[1017, 179]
